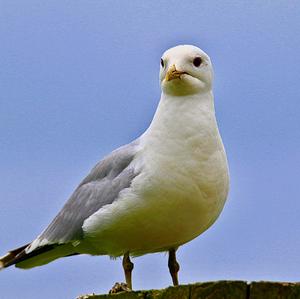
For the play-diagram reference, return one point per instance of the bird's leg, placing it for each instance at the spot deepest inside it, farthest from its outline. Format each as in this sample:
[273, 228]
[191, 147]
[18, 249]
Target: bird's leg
[128, 267]
[124, 287]
[173, 266]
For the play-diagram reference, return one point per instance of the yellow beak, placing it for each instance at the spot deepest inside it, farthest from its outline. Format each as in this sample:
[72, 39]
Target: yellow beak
[173, 73]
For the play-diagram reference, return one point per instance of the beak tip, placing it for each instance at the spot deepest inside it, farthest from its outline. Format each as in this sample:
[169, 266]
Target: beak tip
[172, 73]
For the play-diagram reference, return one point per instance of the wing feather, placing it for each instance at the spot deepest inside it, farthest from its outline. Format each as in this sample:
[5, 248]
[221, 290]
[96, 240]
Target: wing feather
[101, 187]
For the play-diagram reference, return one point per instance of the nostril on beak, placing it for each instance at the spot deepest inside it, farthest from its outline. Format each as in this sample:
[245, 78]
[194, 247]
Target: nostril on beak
[173, 73]
[172, 68]
[170, 72]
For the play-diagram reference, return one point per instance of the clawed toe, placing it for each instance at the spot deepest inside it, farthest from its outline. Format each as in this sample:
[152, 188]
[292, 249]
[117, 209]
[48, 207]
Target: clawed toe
[119, 287]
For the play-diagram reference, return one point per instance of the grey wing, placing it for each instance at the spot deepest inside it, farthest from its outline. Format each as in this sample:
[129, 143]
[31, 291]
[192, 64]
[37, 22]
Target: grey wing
[101, 187]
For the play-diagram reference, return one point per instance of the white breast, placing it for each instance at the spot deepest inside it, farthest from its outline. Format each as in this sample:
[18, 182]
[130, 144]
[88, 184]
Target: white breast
[182, 187]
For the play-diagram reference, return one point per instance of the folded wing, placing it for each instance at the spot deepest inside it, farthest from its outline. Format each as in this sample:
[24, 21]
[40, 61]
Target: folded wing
[101, 187]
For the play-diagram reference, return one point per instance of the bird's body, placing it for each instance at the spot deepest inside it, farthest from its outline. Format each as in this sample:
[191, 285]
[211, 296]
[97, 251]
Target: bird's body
[168, 202]
[154, 194]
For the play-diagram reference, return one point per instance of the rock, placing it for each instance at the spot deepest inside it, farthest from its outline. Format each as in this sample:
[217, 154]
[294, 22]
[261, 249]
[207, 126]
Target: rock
[274, 290]
[215, 290]
[219, 290]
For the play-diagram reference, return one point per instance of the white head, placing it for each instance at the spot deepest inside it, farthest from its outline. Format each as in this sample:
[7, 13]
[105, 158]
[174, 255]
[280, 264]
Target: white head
[185, 70]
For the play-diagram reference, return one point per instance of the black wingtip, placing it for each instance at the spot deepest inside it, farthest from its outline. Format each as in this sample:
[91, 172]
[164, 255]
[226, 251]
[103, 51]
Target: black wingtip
[8, 259]
[19, 255]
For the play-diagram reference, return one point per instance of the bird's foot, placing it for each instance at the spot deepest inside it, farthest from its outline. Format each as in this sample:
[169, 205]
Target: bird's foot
[119, 287]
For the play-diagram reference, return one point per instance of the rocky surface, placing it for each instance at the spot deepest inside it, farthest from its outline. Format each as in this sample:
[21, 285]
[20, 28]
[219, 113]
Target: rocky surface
[215, 290]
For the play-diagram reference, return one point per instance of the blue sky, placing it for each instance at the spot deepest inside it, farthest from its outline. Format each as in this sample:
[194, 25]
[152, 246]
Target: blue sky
[80, 78]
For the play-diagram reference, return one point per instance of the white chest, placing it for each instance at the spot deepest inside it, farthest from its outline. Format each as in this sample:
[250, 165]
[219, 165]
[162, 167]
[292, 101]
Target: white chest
[181, 189]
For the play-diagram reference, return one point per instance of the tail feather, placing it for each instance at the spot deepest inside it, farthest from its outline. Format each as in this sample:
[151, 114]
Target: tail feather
[37, 257]
[7, 260]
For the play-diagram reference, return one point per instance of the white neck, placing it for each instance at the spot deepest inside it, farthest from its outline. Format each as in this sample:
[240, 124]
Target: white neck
[181, 117]
[183, 138]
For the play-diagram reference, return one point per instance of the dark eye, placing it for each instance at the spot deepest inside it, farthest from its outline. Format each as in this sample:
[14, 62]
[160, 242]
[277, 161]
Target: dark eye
[162, 63]
[197, 61]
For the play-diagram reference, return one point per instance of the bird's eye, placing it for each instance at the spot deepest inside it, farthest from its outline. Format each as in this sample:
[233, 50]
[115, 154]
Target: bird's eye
[197, 61]
[162, 63]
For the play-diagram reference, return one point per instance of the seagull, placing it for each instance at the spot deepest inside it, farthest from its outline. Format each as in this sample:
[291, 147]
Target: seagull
[154, 194]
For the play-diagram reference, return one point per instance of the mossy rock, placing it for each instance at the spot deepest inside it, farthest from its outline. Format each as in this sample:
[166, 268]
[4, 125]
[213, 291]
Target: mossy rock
[274, 290]
[219, 290]
[180, 292]
[215, 290]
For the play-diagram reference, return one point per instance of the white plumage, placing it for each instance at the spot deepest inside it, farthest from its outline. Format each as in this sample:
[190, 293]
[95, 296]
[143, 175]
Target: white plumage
[157, 193]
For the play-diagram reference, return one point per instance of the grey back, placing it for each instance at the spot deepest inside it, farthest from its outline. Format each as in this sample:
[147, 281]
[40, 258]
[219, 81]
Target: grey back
[101, 187]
